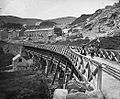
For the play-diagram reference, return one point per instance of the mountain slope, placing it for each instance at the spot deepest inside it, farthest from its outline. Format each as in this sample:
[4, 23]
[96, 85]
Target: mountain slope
[64, 20]
[44, 24]
[104, 22]
[14, 19]
[32, 21]
[81, 19]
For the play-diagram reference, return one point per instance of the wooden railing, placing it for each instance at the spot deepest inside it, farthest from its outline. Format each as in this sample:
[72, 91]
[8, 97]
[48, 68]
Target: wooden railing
[106, 77]
[112, 55]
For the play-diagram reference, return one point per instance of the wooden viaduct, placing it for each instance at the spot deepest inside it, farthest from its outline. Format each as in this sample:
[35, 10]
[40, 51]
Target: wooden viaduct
[65, 62]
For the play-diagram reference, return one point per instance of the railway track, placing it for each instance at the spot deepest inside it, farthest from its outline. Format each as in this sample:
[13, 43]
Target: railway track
[111, 71]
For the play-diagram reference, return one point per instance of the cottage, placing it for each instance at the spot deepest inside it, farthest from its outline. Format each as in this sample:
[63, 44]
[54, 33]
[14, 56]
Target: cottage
[20, 63]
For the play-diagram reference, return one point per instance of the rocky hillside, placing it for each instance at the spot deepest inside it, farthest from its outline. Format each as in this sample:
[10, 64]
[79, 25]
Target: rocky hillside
[81, 19]
[104, 22]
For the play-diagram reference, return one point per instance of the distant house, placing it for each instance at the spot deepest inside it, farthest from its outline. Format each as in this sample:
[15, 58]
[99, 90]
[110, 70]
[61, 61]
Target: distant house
[8, 34]
[13, 34]
[20, 63]
[3, 34]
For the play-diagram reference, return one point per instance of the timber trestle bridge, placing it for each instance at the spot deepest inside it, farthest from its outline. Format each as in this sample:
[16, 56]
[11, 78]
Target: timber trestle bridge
[67, 62]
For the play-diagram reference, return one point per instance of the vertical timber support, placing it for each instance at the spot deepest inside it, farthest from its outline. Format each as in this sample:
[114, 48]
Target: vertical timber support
[49, 65]
[61, 76]
[71, 74]
[21, 48]
[60, 73]
[46, 68]
[99, 80]
[65, 76]
[56, 73]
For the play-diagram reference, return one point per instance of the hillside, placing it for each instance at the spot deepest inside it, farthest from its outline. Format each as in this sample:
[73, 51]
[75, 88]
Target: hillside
[14, 19]
[81, 19]
[104, 22]
[24, 85]
[44, 24]
[47, 24]
[63, 20]
[32, 21]
[110, 43]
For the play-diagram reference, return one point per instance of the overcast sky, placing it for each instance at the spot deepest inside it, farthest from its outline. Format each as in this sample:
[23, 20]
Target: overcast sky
[47, 9]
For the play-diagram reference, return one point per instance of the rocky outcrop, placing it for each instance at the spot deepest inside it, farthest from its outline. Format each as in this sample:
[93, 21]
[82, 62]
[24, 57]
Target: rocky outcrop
[81, 19]
[104, 22]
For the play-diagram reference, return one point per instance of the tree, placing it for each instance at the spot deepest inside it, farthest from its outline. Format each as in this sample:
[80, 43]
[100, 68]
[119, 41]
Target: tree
[87, 38]
[58, 31]
[12, 26]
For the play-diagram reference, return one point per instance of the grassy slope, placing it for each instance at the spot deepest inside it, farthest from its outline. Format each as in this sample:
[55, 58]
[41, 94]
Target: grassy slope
[111, 43]
[5, 58]
[23, 85]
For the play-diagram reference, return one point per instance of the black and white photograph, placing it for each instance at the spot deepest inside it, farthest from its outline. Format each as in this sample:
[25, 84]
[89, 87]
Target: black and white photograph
[59, 49]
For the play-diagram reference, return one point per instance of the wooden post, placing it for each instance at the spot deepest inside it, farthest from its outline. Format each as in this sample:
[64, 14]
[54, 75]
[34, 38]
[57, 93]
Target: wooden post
[60, 79]
[66, 79]
[46, 68]
[20, 50]
[49, 65]
[118, 55]
[56, 72]
[65, 76]
[99, 79]
[60, 73]
[71, 74]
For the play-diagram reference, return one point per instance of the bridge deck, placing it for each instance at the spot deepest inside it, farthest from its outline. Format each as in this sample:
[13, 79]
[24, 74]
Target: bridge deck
[106, 61]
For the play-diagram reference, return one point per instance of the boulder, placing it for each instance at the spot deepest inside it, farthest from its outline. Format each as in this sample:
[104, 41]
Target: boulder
[73, 91]
[80, 86]
[90, 87]
[96, 94]
[60, 94]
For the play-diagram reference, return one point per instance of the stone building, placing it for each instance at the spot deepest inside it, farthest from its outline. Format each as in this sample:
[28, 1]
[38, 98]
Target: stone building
[36, 34]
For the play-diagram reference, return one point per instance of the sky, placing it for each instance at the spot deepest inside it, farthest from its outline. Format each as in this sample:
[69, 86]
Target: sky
[48, 9]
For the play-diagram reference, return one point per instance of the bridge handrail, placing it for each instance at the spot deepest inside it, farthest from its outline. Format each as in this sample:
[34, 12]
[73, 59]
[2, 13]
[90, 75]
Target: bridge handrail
[104, 66]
